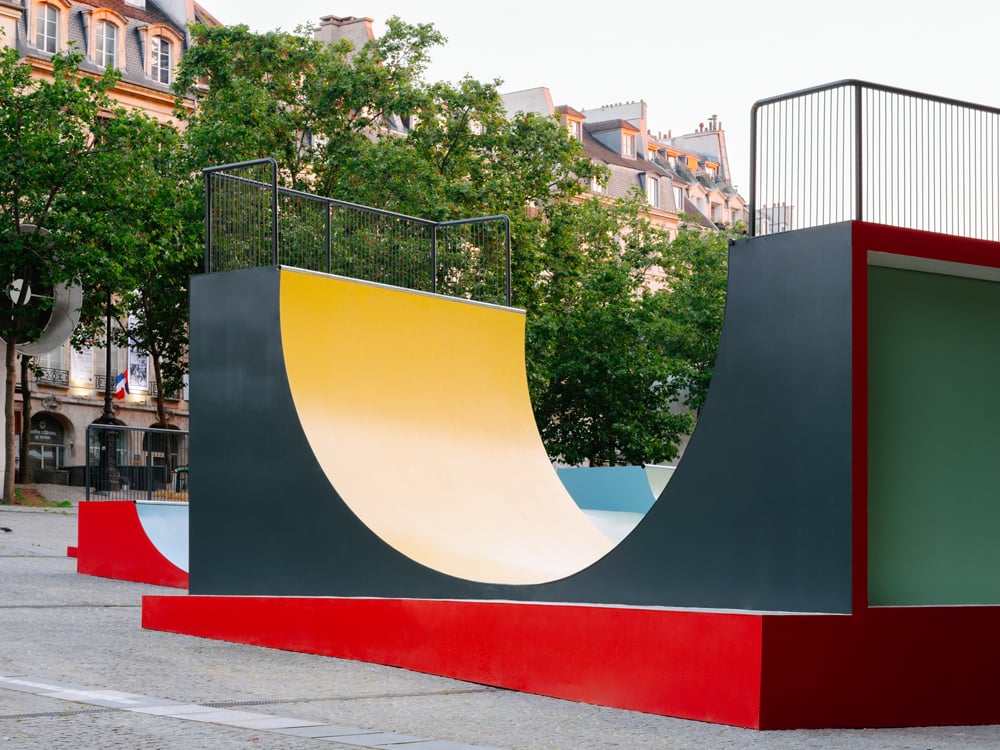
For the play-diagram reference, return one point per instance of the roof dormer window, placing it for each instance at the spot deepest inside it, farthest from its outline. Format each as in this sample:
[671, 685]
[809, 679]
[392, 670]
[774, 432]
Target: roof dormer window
[106, 47]
[653, 191]
[161, 51]
[628, 145]
[49, 24]
[106, 37]
[47, 28]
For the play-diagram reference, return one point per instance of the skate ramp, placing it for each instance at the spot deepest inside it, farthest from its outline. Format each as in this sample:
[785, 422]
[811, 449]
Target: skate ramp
[417, 409]
[360, 440]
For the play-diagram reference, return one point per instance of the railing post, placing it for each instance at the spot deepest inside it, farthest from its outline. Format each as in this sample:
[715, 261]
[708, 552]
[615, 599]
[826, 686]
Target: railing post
[274, 212]
[434, 229]
[150, 442]
[858, 156]
[208, 222]
[752, 213]
[506, 223]
[86, 463]
[328, 260]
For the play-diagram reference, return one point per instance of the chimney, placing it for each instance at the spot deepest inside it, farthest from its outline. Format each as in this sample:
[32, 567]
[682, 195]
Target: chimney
[358, 31]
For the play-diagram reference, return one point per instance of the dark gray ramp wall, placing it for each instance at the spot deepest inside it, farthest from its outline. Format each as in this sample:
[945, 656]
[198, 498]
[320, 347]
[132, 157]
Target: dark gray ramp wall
[757, 516]
[758, 512]
[264, 517]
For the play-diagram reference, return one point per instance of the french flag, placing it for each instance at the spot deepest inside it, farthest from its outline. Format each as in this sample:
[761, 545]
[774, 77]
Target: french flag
[121, 385]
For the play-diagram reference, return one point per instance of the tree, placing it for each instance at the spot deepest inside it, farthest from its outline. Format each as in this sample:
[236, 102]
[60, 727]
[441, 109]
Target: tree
[694, 303]
[602, 380]
[50, 150]
[608, 359]
[154, 225]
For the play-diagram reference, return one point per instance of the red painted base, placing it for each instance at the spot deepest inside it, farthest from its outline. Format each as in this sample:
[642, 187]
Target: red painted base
[111, 543]
[71, 552]
[883, 667]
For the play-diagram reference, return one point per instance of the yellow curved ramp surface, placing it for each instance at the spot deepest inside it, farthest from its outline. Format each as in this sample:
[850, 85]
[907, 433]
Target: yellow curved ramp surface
[416, 407]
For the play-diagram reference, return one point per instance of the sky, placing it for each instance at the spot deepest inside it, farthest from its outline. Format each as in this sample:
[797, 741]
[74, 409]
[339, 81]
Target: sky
[687, 61]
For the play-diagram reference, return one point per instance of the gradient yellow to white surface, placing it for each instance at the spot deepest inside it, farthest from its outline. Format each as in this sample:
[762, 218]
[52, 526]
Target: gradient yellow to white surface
[416, 407]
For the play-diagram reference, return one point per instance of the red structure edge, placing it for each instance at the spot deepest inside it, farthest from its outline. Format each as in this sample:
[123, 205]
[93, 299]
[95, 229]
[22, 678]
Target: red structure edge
[698, 665]
[884, 667]
[111, 543]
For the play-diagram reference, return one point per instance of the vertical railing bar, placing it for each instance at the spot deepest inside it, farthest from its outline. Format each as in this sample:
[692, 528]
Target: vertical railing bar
[208, 222]
[326, 221]
[751, 216]
[858, 163]
[274, 212]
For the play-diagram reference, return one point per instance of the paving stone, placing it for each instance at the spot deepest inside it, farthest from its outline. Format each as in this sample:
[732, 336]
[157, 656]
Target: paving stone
[80, 638]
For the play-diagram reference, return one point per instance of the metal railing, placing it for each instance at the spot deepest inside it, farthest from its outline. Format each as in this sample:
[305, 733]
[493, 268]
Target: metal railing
[251, 221]
[853, 150]
[136, 463]
[52, 376]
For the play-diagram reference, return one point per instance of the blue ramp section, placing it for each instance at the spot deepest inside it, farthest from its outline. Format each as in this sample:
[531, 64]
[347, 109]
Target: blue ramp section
[166, 525]
[618, 488]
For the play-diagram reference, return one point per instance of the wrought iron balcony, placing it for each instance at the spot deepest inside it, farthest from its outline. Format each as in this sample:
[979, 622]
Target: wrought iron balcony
[52, 376]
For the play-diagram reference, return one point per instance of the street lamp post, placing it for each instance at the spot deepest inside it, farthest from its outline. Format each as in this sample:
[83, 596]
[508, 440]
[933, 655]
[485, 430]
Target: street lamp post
[107, 474]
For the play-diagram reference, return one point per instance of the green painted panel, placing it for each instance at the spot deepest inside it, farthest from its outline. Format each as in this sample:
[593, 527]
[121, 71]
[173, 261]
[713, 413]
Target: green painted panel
[934, 439]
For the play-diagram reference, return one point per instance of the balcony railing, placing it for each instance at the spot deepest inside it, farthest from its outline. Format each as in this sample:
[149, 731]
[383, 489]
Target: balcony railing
[56, 377]
[250, 221]
[52, 376]
[853, 150]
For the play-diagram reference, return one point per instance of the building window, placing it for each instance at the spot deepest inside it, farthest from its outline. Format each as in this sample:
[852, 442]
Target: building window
[653, 192]
[679, 198]
[574, 129]
[596, 186]
[47, 28]
[161, 52]
[106, 37]
[628, 145]
[162, 49]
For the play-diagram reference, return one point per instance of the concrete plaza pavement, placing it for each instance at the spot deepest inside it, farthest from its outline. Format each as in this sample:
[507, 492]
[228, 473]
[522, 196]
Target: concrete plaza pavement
[77, 671]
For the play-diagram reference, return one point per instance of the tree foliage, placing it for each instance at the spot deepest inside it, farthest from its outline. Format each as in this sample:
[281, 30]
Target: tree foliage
[696, 264]
[606, 378]
[609, 359]
[153, 222]
[333, 118]
[55, 161]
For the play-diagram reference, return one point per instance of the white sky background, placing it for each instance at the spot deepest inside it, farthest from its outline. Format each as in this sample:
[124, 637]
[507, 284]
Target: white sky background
[687, 61]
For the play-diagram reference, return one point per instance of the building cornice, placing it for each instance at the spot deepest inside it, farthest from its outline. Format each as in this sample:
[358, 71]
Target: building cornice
[151, 100]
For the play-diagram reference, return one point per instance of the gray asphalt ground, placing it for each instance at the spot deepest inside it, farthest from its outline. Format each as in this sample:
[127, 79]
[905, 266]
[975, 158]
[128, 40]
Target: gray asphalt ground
[77, 671]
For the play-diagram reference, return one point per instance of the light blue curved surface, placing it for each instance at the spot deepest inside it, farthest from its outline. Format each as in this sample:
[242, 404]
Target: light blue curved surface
[618, 488]
[166, 525]
[614, 524]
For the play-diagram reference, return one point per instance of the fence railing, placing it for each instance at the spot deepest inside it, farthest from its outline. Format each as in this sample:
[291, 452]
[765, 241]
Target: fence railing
[52, 376]
[853, 150]
[251, 221]
[136, 463]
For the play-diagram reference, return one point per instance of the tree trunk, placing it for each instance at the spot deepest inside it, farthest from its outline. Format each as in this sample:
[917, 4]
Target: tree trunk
[24, 475]
[161, 418]
[8, 421]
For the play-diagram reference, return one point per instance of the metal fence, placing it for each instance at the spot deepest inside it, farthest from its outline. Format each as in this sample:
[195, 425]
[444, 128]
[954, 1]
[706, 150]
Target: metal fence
[251, 221]
[136, 463]
[853, 150]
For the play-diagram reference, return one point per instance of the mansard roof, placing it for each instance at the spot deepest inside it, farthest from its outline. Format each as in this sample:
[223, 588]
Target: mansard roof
[151, 14]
